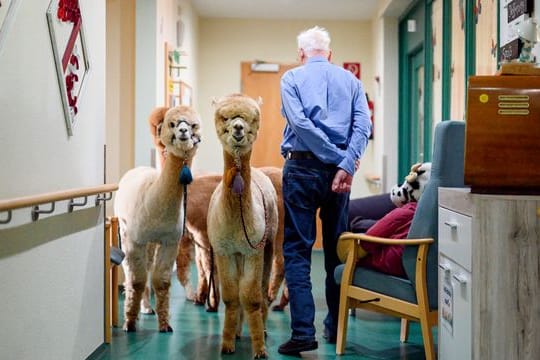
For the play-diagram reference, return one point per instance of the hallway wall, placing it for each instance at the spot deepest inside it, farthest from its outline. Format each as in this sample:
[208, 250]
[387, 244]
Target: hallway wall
[51, 271]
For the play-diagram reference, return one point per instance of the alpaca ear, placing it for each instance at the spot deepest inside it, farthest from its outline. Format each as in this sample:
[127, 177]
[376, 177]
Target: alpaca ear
[156, 117]
[259, 101]
[215, 101]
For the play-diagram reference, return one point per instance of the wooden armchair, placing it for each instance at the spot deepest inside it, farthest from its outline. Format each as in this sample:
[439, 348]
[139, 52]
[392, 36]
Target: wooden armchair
[415, 297]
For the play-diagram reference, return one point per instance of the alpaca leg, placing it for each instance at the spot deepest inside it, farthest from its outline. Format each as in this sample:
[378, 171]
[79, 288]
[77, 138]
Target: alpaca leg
[265, 283]
[146, 306]
[161, 282]
[278, 274]
[284, 300]
[183, 261]
[135, 281]
[213, 281]
[228, 273]
[251, 298]
[202, 276]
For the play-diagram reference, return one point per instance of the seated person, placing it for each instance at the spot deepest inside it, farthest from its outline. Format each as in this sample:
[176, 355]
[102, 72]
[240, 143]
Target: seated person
[364, 212]
[394, 225]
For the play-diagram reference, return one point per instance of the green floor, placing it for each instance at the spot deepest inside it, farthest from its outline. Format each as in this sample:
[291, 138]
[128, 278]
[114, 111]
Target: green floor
[197, 333]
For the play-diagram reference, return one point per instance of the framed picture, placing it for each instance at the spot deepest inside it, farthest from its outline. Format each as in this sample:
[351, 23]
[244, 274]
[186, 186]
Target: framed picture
[70, 54]
[7, 11]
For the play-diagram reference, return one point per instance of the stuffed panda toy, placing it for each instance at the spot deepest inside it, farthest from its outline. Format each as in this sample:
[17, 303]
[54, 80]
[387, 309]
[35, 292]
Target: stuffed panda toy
[413, 186]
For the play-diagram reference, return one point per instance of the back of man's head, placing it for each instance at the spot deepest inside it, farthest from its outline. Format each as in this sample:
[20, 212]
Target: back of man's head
[314, 40]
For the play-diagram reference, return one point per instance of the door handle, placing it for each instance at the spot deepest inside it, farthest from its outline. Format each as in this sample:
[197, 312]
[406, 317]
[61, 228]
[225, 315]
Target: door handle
[452, 224]
[460, 279]
[444, 267]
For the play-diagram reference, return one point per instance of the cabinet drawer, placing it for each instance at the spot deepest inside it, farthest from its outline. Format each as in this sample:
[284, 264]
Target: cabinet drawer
[455, 310]
[455, 237]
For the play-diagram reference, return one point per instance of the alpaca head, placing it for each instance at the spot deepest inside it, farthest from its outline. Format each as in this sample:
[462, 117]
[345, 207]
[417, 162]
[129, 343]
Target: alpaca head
[237, 120]
[180, 131]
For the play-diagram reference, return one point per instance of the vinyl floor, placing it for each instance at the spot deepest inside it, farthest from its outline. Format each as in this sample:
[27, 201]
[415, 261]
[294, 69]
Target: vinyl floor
[197, 333]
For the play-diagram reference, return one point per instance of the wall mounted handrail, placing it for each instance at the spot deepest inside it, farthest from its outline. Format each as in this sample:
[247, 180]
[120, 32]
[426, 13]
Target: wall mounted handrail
[52, 197]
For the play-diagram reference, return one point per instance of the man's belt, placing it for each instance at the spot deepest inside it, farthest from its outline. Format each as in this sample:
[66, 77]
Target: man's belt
[301, 155]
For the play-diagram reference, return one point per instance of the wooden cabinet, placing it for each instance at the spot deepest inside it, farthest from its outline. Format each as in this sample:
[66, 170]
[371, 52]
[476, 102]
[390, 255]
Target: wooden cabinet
[489, 280]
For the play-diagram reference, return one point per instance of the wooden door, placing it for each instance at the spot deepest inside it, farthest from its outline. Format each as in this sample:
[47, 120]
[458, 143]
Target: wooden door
[266, 151]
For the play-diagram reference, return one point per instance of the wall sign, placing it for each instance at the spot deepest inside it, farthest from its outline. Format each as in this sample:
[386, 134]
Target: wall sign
[70, 54]
[353, 67]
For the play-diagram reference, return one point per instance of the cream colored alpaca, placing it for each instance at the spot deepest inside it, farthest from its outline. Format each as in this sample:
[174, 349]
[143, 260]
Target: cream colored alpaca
[149, 207]
[242, 224]
[196, 241]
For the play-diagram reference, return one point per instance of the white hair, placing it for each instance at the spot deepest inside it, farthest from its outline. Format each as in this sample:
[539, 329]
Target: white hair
[314, 39]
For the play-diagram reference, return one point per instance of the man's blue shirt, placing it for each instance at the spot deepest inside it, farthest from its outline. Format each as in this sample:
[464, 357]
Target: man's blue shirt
[326, 111]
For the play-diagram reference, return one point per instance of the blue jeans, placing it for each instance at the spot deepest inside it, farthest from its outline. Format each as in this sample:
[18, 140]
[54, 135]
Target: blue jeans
[306, 188]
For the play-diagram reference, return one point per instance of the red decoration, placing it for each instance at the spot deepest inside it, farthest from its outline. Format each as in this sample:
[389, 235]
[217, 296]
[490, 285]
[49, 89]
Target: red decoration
[68, 10]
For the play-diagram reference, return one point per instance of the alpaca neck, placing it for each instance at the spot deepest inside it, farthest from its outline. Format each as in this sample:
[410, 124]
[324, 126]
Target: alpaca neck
[231, 168]
[167, 189]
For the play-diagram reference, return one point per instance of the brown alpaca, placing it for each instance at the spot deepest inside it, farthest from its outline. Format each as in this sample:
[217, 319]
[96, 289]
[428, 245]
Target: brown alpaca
[242, 224]
[149, 207]
[196, 236]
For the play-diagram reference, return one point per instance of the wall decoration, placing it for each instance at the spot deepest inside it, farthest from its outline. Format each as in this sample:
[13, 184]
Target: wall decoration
[512, 13]
[176, 91]
[7, 13]
[70, 54]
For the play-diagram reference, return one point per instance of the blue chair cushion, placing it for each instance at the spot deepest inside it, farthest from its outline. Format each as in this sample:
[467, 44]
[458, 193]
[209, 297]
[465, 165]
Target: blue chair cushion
[382, 283]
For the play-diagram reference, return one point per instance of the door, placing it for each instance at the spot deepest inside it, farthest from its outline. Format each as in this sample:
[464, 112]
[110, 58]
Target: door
[415, 115]
[266, 151]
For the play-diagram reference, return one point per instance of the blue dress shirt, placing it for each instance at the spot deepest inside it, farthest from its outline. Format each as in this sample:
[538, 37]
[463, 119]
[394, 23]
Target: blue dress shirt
[327, 113]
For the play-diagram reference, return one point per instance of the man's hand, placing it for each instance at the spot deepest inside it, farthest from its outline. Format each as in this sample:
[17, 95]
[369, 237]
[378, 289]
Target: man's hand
[342, 182]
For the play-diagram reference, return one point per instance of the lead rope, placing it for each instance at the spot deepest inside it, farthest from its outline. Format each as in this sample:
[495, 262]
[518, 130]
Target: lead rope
[238, 188]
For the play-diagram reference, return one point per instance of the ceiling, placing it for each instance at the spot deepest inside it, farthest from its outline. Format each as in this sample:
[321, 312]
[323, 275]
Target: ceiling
[288, 9]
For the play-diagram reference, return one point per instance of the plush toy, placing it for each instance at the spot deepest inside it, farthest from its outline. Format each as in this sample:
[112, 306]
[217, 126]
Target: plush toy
[413, 186]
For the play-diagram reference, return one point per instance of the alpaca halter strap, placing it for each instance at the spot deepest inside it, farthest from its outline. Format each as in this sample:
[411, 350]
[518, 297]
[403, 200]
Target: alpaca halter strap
[238, 188]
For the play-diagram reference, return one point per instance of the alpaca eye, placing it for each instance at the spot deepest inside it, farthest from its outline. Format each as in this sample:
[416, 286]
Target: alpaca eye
[194, 126]
[171, 124]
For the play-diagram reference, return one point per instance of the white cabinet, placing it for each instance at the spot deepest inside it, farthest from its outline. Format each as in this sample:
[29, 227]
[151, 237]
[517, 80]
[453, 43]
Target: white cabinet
[454, 285]
[489, 276]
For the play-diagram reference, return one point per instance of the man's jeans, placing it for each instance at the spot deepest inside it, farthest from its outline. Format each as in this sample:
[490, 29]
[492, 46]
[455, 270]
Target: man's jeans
[307, 186]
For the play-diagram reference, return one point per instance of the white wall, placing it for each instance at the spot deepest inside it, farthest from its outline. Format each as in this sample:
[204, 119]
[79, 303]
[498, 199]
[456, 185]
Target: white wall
[225, 43]
[155, 25]
[51, 271]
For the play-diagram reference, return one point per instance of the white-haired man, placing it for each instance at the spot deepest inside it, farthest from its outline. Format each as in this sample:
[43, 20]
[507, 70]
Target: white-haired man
[327, 131]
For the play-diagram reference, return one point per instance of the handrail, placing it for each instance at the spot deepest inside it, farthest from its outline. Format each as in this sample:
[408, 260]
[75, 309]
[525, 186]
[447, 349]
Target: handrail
[52, 197]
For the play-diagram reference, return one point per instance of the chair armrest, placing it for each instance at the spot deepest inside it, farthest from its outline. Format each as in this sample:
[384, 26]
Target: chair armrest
[385, 241]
